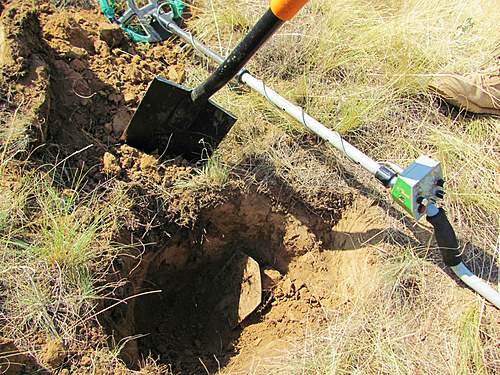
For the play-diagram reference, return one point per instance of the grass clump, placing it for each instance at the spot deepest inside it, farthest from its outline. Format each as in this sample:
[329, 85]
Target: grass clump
[213, 175]
[55, 248]
[68, 231]
[54, 252]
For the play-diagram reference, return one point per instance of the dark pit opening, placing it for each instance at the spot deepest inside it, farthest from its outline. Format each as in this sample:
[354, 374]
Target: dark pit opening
[186, 322]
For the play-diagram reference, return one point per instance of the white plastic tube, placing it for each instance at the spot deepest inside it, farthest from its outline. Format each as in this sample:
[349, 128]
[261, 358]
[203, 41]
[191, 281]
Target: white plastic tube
[474, 282]
[333, 137]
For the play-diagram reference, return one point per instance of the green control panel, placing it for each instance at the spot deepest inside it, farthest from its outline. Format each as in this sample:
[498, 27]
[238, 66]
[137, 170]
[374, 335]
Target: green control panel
[419, 184]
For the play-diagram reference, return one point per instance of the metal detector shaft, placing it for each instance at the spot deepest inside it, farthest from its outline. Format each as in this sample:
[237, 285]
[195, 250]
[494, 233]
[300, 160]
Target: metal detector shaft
[334, 138]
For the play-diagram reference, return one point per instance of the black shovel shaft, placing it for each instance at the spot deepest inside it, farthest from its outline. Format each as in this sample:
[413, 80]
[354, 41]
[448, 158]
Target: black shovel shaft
[263, 29]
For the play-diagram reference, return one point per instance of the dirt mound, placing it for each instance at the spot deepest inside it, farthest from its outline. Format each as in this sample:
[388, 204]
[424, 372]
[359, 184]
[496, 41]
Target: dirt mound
[86, 75]
[24, 73]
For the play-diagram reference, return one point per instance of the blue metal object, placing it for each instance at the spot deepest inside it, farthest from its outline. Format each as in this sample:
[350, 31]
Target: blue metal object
[147, 30]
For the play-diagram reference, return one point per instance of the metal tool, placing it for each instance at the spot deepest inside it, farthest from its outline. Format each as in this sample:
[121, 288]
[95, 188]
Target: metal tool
[417, 188]
[175, 120]
[141, 23]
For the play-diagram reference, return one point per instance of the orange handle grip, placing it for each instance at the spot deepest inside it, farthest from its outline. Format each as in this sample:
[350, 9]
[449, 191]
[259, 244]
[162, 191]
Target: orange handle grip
[285, 10]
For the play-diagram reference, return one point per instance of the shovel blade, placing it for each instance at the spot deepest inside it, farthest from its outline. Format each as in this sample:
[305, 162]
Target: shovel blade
[168, 121]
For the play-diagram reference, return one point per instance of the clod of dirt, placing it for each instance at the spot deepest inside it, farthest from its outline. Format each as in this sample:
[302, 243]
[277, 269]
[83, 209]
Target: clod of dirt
[110, 164]
[120, 121]
[11, 361]
[54, 353]
[270, 278]
[111, 34]
[176, 73]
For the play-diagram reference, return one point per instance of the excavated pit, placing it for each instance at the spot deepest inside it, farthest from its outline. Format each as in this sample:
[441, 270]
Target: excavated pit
[188, 324]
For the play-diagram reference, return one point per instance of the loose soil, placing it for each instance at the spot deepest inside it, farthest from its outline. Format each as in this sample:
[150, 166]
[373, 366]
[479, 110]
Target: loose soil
[80, 79]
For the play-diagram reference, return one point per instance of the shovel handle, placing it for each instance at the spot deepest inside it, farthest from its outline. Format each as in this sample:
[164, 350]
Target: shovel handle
[279, 12]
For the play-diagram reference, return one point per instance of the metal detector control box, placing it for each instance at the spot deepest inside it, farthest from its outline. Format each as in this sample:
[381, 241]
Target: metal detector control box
[419, 184]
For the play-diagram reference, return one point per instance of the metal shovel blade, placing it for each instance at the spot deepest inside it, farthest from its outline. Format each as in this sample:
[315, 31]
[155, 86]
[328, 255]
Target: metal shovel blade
[167, 120]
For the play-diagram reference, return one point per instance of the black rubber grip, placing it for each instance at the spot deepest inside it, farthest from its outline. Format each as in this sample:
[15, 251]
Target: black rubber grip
[445, 238]
[385, 175]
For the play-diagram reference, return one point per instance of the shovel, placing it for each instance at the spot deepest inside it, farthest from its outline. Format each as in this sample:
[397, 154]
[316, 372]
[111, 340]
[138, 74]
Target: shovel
[178, 121]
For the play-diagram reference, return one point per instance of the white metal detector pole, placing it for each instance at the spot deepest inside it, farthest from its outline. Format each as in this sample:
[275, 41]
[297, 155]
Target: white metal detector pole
[333, 137]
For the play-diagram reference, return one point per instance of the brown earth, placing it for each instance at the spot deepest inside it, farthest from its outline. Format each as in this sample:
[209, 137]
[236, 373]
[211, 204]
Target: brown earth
[12, 360]
[79, 80]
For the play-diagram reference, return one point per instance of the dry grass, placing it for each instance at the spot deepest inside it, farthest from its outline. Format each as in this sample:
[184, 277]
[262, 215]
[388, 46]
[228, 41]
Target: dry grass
[55, 246]
[363, 68]
[213, 175]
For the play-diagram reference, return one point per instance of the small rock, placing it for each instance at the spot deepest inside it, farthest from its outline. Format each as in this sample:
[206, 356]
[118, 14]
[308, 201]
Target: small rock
[175, 73]
[110, 164]
[120, 121]
[270, 278]
[54, 353]
[129, 96]
[85, 361]
[111, 34]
